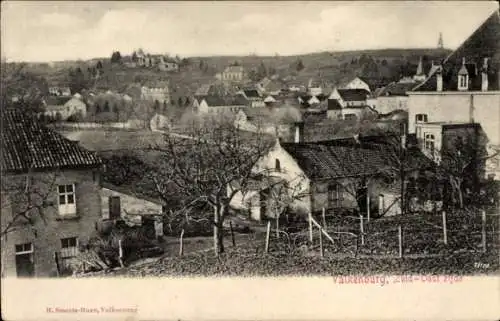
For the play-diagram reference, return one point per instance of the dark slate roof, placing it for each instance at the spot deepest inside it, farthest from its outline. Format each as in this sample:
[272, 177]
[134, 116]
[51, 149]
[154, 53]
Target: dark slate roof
[251, 93]
[353, 94]
[397, 89]
[374, 83]
[57, 100]
[218, 101]
[333, 104]
[27, 144]
[483, 43]
[346, 158]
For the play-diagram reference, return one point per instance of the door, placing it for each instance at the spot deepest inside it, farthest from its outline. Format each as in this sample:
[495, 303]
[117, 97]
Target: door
[25, 266]
[114, 207]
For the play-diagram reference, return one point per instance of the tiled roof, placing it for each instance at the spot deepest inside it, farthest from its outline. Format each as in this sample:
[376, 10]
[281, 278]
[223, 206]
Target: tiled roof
[27, 144]
[397, 89]
[234, 69]
[353, 94]
[374, 83]
[483, 43]
[345, 158]
[56, 100]
[218, 101]
[251, 93]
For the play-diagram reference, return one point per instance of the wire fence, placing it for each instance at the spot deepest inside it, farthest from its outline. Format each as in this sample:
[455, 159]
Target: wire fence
[418, 234]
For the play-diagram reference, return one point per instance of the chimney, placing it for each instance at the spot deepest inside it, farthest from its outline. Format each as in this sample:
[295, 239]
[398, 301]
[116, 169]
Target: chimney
[439, 79]
[299, 132]
[484, 75]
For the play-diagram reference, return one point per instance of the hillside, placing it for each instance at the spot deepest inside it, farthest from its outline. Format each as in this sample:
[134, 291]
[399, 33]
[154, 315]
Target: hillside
[333, 68]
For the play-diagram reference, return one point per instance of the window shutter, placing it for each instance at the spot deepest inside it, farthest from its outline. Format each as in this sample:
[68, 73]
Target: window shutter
[114, 207]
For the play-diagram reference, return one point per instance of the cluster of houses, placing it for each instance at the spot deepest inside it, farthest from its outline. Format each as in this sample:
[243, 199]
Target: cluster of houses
[456, 99]
[140, 59]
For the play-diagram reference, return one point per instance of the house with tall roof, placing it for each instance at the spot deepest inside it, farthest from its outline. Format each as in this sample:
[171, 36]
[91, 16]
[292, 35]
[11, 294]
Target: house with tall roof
[253, 96]
[466, 86]
[332, 175]
[233, 74]
[50, 198]
[220, 104]
[369, 84]
[350, 104]
[156, 91]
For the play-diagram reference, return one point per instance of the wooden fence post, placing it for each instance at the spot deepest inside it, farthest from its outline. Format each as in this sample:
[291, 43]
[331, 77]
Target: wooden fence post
[181, 244]
[120, 253]
[58, 268]
[323, 214]
[340, 238]
[400, 241]
[483, 230]
[232, 233]
[367, 205]
[445, 231]
[310, 228]
[361, 229]
[268, 232]
[321, 243]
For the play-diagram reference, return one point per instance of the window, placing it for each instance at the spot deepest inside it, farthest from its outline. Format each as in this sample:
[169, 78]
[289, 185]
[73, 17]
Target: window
[277, 165]
[334, 195]
[421, 118]
[67, 205]
[429, 141]
[25, 266]
[463, 81]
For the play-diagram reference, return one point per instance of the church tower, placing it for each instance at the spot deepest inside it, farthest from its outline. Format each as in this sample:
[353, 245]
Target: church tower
[440, 41]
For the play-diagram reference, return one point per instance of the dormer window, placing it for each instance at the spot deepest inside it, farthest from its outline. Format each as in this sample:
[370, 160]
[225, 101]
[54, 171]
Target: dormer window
[463, 77]
[463, 82]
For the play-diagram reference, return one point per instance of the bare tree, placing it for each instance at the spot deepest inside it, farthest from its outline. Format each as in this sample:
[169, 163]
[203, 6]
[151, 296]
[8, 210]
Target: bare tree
[210, 163]
[25, 197]
[462, 161]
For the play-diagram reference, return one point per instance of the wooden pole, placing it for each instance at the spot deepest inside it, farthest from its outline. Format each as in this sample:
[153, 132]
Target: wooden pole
[268, 232]
[321, 244]
[367, 205]
[322, 230]
[56, 258]
[310, 229]
[181, 243]
[323, 215]
[232, 233]
[120, 252]
[445, 232]
[483, 230]
[361, 229]
[400, 241]
[340, 238]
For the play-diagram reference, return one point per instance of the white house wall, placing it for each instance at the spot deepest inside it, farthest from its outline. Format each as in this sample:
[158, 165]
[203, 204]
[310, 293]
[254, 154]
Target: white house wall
[291, 172]
[386, 104]
[455, 107]
[129, 205]
[357, 83]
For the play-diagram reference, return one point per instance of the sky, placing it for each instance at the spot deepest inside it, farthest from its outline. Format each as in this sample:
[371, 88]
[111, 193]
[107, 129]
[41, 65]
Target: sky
[66, 30]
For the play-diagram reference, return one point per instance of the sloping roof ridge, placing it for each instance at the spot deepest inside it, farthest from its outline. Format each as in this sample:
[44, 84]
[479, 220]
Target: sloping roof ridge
[478, 28]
